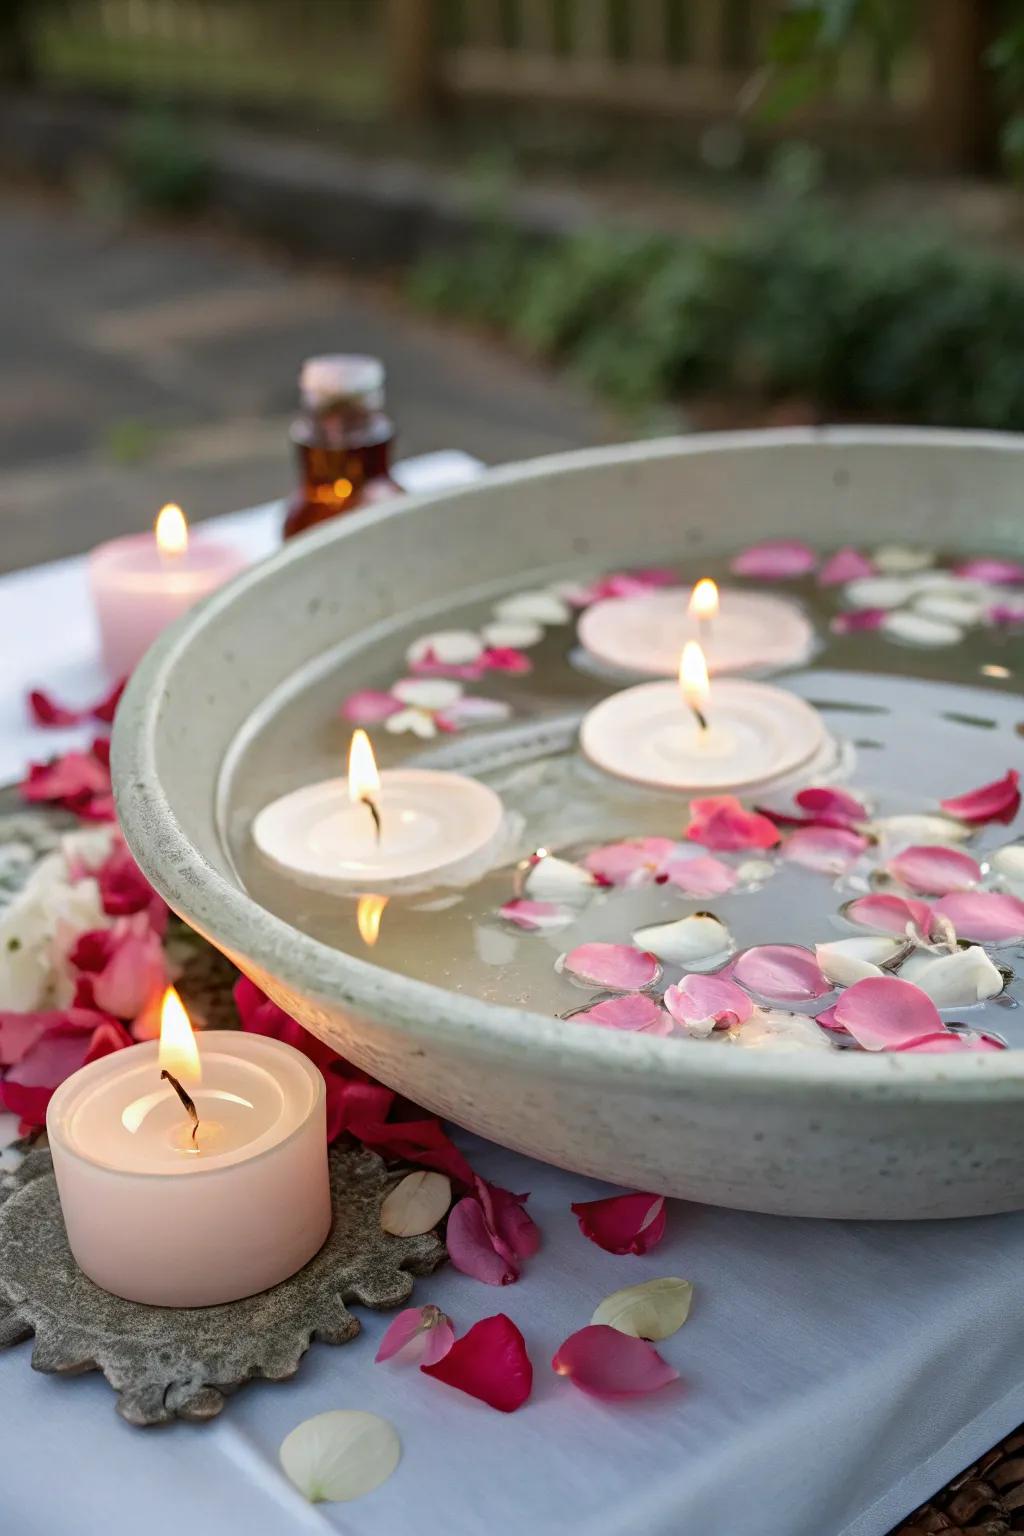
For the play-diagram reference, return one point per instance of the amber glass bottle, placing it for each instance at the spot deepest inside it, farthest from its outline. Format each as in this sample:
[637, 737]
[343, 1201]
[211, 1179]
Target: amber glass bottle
[343, 440]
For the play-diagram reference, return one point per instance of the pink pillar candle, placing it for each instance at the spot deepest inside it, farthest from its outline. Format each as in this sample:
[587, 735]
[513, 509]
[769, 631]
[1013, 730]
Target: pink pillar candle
[157, 1217]
[138, 590]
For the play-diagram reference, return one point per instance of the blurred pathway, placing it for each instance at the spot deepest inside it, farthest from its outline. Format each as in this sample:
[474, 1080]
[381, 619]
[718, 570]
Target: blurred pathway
[142, 365]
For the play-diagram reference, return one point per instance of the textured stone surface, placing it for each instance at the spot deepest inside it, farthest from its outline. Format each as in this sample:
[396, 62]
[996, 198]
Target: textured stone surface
[166, 1363]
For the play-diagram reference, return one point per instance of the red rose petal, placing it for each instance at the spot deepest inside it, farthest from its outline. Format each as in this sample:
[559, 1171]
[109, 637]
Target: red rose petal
[827, 803]
[620, 967]
[606, 1363]
[935, 870]
[998, 801]
[775, 560]
[987, 917]
[783, 973]
[722, 823]
[623, 1223]
[489, 1362]
[857, 619]
[885, 1013]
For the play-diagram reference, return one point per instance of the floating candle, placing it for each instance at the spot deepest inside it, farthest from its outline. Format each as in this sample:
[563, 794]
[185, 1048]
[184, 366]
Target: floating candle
[141, 583]
[373, 832]
[191, 1175]
[740, 631]
[694, 737]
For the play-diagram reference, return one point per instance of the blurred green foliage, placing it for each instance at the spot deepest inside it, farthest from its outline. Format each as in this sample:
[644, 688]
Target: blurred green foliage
[859, 322]
[164, 164]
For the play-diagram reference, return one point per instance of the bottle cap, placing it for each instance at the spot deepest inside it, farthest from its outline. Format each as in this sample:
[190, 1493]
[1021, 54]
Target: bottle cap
[342, 379]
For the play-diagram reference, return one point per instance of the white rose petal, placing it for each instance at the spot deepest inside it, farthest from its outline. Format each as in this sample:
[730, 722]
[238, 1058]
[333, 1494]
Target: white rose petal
[952, 606]
[697, 943]
[1008, 865]
[514, 637]
[774, 1029]
[893, 558]
[954, 981]
[416, 1205]
[897, 832]
[654, 1309]
[554, 879]
[415, 720]
[877, 592]
[918, 629]
[427, 692]
[845, 961]
[536, 607]
[451, 647]
[340, 1455]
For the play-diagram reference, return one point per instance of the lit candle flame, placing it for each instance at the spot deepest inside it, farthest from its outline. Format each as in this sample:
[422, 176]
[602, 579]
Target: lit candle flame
[369, 916]
[179, 1053]
[363, 778]
[171, 530]
[693, 680]
[703, 605]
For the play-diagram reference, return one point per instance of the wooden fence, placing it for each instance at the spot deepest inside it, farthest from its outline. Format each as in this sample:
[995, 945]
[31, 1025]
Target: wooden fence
[685, 64]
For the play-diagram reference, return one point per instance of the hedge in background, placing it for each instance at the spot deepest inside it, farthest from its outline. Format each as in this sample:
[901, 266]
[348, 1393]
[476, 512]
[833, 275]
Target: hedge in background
[861, 323]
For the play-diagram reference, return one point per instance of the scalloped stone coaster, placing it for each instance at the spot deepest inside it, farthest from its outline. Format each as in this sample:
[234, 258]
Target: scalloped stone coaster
[167, 1363]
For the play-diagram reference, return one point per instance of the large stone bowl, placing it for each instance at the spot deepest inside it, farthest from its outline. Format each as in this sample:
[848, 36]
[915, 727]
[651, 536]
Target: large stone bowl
[821, 1134]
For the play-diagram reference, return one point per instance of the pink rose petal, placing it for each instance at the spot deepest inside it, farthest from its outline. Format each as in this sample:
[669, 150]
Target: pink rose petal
[998, 801]
[884, 1013]
[702, 876]
[1001, 573]
[74, 1038]
[697, 999]
[471, 1247]
[419, 1335]
[829, 850]
[986, 917]
[830, 805]
[782, 973]
[534, 915]
[722, 823]
[636, 1012]
[948, 1041]
[637, 861]
[1008, 614]
[776, 560]
[623, 1223]
[845, 565]
[890, 914]
[620, 967]
[513, 1231]
[489, 1362]
[19, 1032]
[857, 619]
[606, 1363]
[369, 706]
[935, 870]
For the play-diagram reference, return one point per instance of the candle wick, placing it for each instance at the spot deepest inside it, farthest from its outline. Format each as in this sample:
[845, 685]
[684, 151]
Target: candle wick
[700, 717]
[188, 1103]
[374, 810]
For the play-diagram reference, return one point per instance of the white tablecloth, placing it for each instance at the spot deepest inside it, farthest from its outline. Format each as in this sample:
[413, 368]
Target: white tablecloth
[834, 1375]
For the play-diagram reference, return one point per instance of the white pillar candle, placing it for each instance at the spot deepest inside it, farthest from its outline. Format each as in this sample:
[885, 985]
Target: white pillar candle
[141, 583]
[698, 738]
[376, 833]
[745, 632]
[159, 1216]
